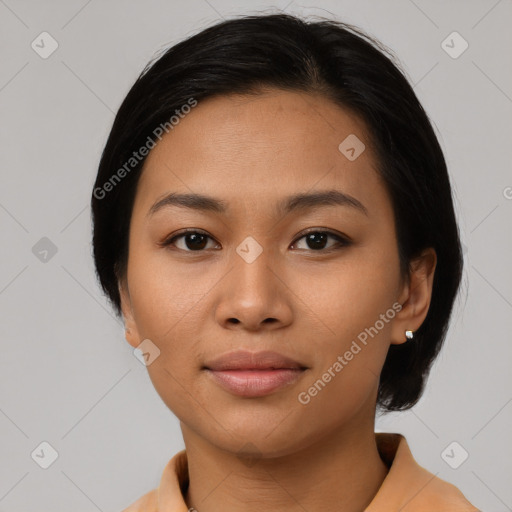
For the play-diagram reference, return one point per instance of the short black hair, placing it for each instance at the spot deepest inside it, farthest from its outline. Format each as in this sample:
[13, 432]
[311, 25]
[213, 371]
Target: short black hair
[247, 54]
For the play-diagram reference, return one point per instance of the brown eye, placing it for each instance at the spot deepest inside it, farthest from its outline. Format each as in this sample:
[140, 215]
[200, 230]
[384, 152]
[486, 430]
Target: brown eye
[318, 240]
[189, 241]
[195, 241]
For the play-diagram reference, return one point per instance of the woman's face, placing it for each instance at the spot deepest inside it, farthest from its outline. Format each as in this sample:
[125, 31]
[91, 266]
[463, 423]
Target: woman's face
[256, 282]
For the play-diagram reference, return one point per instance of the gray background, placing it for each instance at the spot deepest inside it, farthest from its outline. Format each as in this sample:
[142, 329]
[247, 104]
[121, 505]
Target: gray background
[68, 377]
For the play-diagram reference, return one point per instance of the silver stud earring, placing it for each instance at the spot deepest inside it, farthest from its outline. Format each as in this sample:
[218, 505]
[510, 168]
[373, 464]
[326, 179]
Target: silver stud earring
[409, 335]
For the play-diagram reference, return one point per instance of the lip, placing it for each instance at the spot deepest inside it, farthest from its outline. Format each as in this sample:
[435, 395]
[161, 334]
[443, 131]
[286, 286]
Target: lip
[245, 360]
[254, 374]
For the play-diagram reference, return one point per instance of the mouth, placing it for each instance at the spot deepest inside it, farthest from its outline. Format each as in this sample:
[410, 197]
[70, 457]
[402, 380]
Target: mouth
[257, 374]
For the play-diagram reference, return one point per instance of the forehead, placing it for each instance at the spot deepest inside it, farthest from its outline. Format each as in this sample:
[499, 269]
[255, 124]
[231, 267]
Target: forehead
[260, 148]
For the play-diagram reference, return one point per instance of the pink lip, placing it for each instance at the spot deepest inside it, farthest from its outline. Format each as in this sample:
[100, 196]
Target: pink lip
[253, 374]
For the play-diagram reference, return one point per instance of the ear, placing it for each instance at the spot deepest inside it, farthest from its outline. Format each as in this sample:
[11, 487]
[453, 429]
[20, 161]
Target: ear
[131, 331]
[415, 296]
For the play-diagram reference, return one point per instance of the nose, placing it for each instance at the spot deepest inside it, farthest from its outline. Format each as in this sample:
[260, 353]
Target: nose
[254, 296]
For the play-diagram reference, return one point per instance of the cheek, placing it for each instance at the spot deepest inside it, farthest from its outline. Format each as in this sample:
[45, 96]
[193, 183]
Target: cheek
[350, 297]
[356, 314]
[168, 307]
[165, 296]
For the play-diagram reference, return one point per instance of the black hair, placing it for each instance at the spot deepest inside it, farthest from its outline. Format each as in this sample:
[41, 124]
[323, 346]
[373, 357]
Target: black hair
[249, 53]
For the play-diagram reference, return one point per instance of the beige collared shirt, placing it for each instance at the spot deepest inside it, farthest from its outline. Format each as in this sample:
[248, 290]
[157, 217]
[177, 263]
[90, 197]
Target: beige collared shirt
[407, 487]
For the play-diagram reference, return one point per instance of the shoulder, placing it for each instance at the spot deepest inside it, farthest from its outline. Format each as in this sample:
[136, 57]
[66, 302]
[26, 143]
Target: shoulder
[409, 487]
[444, 496]
[427, 492]
[146, 503]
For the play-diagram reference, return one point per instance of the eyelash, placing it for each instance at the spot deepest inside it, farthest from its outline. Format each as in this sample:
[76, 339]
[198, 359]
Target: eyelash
[342, 241]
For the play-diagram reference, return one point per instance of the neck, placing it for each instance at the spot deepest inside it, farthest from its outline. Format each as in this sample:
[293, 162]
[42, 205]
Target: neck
[341, 471]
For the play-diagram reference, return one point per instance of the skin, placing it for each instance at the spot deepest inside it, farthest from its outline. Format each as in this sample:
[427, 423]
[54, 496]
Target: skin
[251, 152]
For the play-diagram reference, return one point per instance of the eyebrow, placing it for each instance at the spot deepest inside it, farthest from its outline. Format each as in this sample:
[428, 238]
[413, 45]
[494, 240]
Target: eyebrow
[297, 202]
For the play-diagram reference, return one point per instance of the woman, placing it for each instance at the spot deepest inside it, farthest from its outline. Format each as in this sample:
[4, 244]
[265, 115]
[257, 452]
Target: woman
[273, 219]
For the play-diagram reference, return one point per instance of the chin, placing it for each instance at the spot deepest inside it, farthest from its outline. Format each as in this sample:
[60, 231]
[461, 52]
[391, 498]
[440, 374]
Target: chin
[261, 439]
